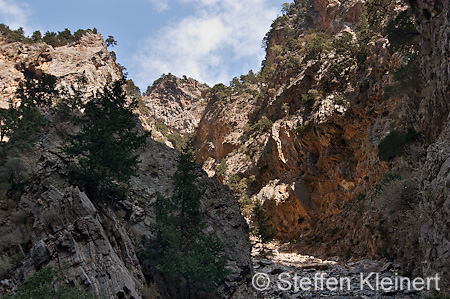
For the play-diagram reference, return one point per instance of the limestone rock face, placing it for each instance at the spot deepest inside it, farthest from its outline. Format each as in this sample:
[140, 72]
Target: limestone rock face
[308, 147]
[88, 57]
[68, 229]
[331, 15]
[176, 102]
[434, 17]
[52, 222]
[304, 139]
[305, 142]
[97, 241]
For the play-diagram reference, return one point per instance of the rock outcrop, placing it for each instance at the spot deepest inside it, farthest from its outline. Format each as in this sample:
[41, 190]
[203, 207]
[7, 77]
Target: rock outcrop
[176, 102]
[51, 221]
[434, 21]
[87, 58]
[309, 137]
[303, 136]
[98, 241]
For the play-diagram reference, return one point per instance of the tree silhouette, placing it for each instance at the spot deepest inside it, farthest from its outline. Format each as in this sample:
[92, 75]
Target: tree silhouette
[104, 149]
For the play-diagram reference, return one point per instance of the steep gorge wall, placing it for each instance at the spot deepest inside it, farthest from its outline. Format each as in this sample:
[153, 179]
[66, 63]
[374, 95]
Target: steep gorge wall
[434, 238]
[311, 151]
[320, 151]
[176, 102]
[52, 222]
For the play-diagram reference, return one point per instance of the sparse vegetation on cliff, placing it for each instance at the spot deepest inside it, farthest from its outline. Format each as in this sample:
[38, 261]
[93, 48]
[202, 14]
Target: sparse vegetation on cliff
[393, 145]
[55, 39]
[50, 283]
[182, 251]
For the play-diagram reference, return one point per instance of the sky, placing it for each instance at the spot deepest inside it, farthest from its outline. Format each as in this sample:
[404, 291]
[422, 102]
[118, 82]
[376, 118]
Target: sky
[209, 40]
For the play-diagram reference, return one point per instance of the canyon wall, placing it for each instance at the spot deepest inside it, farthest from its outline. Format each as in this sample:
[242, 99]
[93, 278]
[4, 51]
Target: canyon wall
[51, 221]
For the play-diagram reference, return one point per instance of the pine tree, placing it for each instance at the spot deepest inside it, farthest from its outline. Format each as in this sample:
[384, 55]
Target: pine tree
[181, 250]
[110, 41]
[105, 146]
[22, 122]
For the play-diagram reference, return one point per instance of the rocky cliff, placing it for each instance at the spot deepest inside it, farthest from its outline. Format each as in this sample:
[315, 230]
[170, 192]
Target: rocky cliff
[342, 134]
[308, 140]
[176, 102]
[87, 58]
[434, 237]
[50, 220]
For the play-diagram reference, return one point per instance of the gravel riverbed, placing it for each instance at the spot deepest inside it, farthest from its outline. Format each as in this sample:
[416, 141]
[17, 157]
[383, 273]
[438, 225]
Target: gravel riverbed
[290, 275]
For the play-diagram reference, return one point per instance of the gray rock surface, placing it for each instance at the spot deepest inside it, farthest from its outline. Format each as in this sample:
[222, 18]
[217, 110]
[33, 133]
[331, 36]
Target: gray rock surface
[53, 222]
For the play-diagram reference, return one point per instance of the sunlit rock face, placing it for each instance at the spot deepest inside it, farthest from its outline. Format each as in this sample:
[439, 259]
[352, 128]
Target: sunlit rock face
[87, 57]
[177, 102]
[305, 140]
[52, 221]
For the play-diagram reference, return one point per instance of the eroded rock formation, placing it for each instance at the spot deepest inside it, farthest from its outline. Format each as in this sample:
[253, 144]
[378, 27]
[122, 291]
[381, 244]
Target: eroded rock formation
[303, 138]
[51, 221]
[87, 58]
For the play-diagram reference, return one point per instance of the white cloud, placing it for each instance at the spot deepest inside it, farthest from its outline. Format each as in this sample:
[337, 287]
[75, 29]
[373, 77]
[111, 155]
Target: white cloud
[14, 14]
[208, 44]
[160, 5]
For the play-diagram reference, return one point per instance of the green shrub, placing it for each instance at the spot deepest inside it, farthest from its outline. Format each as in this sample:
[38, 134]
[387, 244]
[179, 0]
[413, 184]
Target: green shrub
[394, 143]
[320, 43]
[23, 123]
[54, 39]
[179, 141]
[12, 35]
[161, 127]
[221, 170]
[237, 184]
[378, 13]
[143, 109]
[346, 45]
[105, 146]
[339, 100]
[220, 93]
[287, 8]
[407, 75]
[301, 130]
[386, 180]
[310, 97]
[402, 30]
[264, 124]
[246, 205]
[263, 227]
[390, 177]
[49, 283]
[13, 174]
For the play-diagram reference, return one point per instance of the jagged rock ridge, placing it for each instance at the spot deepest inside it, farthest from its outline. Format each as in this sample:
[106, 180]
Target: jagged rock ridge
[87, 57]
[304, 138]
[176, 102]
[53, 222]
